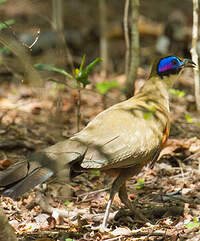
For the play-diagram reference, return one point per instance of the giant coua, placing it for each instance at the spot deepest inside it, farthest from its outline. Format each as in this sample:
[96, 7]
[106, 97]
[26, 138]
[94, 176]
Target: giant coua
[120, 140]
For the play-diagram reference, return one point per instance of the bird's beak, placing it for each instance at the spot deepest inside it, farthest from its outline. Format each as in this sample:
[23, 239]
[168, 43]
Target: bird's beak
[188, 63]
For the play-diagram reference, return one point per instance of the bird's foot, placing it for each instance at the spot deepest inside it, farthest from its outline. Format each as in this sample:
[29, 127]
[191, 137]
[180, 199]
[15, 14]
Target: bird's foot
[133, 212]
[101, 228]
[138, 214]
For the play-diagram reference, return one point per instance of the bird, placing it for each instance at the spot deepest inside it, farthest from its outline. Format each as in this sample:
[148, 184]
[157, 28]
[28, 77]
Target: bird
[119, 141]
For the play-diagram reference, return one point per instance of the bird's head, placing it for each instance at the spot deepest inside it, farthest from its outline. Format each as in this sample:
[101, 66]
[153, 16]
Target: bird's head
[164, 73]
[170, 65]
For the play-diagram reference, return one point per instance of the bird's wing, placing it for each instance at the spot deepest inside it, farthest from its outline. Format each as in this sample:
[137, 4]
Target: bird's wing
[123, 136]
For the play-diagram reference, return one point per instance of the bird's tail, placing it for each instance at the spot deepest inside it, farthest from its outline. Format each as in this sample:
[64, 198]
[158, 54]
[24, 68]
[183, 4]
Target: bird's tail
[21, 177]
[57, 159]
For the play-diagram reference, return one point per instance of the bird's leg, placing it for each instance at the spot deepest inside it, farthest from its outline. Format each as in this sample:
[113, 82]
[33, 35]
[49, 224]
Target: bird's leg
[114, 189]
[125, 200]
[124, 197]
[106, 215]
[117, 185]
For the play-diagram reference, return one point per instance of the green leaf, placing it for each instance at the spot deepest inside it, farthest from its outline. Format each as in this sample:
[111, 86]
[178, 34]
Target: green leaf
[188, 118]
[176, 92]
[49, 67]
[67, 203]
[4, 24]
[95, 172]
[2, 1]
[104, 87]
[92, 65]
[82, 63]
[81, 75]
[140, 183]
[69, 239]
[193, 225]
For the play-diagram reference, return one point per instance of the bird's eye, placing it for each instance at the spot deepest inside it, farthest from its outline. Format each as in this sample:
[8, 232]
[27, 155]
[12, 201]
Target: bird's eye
[174, 62]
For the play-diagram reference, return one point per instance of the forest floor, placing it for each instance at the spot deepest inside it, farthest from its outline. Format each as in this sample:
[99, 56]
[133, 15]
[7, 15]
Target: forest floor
[168, 195]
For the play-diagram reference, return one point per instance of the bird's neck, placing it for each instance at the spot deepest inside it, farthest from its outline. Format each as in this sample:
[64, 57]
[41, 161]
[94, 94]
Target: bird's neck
[158, 88]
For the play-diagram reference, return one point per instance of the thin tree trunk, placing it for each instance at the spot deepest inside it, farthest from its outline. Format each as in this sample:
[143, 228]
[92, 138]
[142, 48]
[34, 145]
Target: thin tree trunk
[57, 14]
[58, 25]
[194, 52]
[127, 40]
[132, 76]
[103, 37]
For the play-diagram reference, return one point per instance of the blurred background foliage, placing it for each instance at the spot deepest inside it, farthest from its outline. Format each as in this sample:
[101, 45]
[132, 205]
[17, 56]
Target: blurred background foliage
[164, 26]
[70, 30]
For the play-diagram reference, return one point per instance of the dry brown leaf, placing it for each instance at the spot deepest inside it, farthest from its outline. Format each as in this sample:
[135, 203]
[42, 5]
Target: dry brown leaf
[171, 146]
[121, 231]
[45, 239]
[5, 163]
[6, 104]
[194, 144]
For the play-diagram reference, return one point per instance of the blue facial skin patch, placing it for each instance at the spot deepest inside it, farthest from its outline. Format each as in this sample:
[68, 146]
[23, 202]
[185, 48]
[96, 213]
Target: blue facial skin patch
[169, 63]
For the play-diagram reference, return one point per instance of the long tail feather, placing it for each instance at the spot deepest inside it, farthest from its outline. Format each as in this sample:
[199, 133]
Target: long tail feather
[13, 173]
[33, 179]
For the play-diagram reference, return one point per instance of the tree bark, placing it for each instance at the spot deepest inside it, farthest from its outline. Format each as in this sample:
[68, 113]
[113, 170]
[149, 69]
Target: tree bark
[103, 37]
[194, 52]
[132, 75]
[57, 14]
[126, 36]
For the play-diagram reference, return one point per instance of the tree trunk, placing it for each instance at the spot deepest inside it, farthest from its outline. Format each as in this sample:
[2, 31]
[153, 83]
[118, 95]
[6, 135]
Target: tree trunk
[103, 37]
[132, 75]
[57, 14]
[194, 52]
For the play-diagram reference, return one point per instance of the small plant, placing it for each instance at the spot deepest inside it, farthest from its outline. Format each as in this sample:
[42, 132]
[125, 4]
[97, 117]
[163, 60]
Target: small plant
[193, 224]
[80, 75]
[49, 67]
[104, 87]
